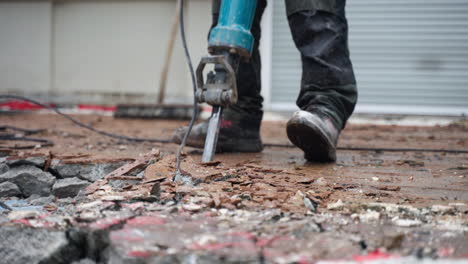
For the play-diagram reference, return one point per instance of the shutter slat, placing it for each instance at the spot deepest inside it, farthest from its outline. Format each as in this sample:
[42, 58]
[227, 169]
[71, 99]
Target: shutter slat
[408, 53]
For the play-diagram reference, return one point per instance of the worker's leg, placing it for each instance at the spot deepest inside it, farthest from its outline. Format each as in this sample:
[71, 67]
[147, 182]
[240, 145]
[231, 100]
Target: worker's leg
[320, 32]
[240, 127]
[328, 88]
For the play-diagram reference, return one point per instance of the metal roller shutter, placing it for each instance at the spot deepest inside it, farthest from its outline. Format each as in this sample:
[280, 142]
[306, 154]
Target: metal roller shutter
[409, 56]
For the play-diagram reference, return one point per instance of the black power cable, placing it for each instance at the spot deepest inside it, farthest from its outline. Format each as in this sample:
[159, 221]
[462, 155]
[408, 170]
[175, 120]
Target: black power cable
[78, 123]
[268, 145]
[194, 85]
[23, 130]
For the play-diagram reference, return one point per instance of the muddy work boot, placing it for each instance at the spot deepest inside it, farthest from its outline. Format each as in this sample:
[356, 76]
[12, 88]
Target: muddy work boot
[315, 134]
[234, 136]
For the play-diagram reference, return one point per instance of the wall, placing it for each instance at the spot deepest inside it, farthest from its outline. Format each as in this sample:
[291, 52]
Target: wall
[97, 51]
[25, 30]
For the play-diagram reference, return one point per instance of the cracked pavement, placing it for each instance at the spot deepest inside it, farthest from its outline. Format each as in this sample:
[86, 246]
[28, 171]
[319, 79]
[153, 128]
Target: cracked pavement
[99, 200]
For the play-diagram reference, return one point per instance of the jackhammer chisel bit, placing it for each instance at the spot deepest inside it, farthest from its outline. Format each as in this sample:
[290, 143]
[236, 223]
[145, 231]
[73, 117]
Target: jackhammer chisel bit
[212, 134]
[230, 42]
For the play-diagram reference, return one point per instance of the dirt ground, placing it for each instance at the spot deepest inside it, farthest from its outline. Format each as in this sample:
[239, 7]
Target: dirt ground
[423, 177]
[420, 195]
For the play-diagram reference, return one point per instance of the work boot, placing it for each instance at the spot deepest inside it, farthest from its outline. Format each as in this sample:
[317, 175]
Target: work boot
[315, 134]
[234, 136]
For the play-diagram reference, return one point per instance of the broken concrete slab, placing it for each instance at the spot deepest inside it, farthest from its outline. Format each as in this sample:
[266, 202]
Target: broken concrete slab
[9, 189]
[30, 180]
[32, 161]
[69, 187]
[89, 172]
[28, 245]
[3, 168]
[255, 182]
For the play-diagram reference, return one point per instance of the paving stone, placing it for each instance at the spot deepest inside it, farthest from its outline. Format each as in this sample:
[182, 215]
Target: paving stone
[8, 189]
[3, 168]
[151, 239]
[69, 187]
[33, 161]
[89, 172]
[27, 245]
[30, 180]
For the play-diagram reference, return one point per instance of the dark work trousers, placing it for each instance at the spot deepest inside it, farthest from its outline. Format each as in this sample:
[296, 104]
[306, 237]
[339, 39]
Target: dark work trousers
[320, 31]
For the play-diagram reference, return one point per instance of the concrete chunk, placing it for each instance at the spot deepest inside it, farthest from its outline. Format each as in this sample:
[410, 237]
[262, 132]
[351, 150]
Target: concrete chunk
[8, 189]
[89, 172]
[30, 180]
[68, 187]
[3, 168]
[32, 161]
[27, 245]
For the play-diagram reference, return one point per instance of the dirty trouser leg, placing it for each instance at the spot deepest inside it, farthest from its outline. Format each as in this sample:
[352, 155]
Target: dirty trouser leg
[320, 32]
[248, 111]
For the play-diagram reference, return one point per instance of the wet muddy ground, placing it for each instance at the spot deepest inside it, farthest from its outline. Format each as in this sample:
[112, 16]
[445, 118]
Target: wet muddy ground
[269, 207]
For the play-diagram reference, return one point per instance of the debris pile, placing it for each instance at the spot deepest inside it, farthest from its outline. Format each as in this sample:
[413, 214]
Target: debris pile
[89, 199]
[132, 210]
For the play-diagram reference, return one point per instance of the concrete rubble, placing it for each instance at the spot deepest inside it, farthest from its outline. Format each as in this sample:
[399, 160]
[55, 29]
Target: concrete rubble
[127, 223]
[77, 208]
[9, 189]
[30, 180]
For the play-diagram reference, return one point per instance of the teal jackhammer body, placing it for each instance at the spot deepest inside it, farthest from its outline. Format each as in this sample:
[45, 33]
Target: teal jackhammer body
[229, 42]
[233, 28]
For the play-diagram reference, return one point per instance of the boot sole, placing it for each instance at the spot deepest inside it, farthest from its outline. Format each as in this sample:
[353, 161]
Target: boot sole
[308, 136]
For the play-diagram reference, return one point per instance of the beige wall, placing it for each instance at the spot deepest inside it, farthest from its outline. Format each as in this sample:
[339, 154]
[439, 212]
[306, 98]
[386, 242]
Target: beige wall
[103, 51]
[25, 31]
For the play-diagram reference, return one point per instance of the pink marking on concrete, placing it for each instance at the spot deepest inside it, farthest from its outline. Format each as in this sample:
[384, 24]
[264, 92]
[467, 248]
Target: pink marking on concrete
[140, 254]
[42, 216]
[107, 222]
[146, 220]
[304, 260]
[23, 221]
[445, 252]
[374, 255]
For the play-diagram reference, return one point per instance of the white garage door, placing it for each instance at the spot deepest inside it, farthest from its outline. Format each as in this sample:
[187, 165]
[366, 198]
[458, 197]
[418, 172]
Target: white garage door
[409, 56]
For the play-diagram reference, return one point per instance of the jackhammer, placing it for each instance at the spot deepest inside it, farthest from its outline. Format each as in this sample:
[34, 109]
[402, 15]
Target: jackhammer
[229, 42]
